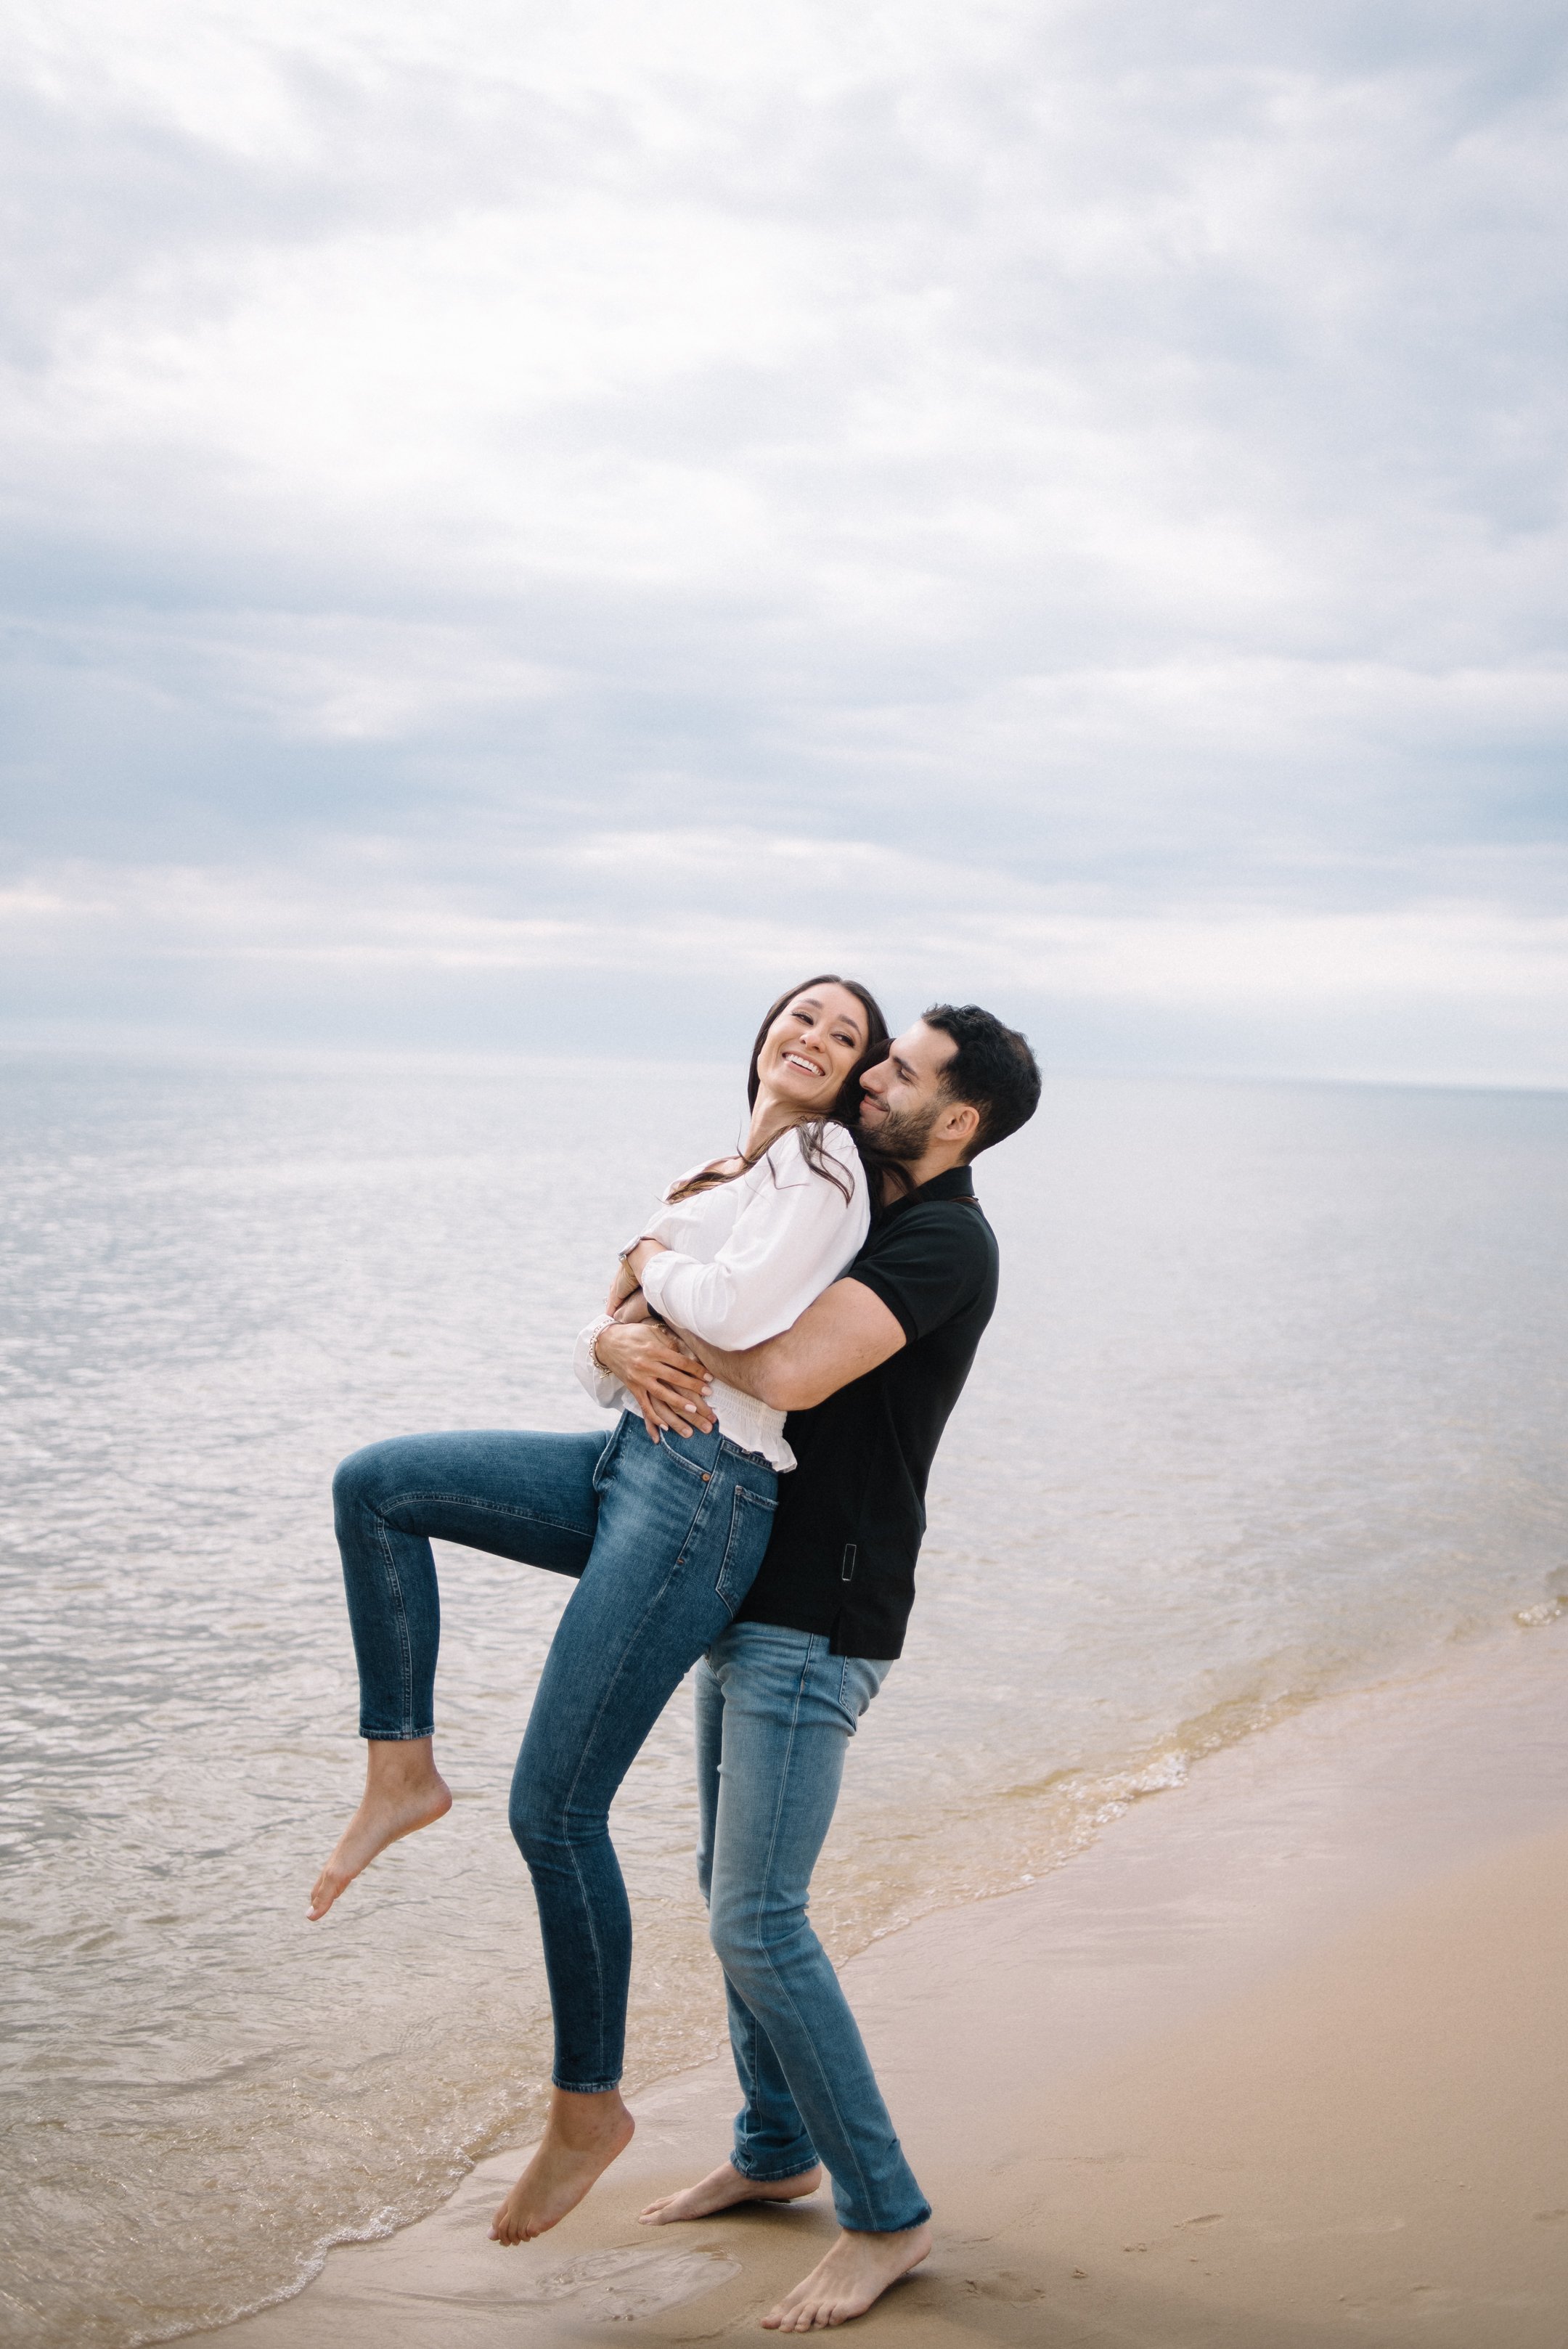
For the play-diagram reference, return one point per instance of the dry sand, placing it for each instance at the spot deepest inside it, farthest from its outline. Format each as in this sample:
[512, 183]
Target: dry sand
[1283, 2061]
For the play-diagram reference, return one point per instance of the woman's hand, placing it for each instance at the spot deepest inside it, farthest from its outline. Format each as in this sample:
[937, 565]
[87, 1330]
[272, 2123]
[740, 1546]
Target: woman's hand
[669, 1386]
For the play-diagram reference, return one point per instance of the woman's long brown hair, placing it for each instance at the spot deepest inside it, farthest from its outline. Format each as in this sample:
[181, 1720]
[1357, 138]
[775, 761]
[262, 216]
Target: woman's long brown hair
[846, 1107]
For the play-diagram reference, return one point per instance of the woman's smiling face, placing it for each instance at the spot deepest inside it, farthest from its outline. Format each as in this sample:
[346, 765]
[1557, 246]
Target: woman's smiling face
[811, 1047]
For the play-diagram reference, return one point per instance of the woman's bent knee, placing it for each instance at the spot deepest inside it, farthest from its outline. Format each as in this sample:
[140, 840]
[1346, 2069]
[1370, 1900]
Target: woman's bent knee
[365, 1477]
[352, 1478]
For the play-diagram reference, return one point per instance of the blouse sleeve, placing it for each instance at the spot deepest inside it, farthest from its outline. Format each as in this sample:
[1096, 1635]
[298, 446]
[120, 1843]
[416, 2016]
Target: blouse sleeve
[791, 1240]
[605, 1388]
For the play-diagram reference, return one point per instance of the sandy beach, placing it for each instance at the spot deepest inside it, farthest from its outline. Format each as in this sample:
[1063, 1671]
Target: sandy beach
[1281, 2060]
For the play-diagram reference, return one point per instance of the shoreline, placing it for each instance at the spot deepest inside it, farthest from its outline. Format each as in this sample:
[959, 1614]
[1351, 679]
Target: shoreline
[1286, 1998]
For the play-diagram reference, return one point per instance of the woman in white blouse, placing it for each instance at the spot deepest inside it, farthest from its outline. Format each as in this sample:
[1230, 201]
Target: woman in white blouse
[665, 1536]
[735, 1249]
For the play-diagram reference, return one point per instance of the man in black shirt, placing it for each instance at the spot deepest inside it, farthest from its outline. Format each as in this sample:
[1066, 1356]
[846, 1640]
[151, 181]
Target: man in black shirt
[841, 1559]
[868, 1376]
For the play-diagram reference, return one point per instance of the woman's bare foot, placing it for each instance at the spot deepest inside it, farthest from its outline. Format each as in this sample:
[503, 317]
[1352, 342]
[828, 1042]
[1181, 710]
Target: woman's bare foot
[403, 1791]
[582, 2137]
[724, 2187]
[855, 2273]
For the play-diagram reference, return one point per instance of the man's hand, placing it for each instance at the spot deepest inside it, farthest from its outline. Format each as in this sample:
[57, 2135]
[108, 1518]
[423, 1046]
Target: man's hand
[669, 1385]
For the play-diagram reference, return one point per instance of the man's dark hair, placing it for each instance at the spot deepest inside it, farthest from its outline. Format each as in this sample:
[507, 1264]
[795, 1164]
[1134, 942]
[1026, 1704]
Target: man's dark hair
[992, 1069]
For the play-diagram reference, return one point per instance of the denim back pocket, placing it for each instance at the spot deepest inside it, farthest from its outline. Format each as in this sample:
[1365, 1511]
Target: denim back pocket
[751, 1522]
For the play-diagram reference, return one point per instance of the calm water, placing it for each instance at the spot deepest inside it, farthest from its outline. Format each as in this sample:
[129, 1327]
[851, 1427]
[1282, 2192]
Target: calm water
[1273, 1401]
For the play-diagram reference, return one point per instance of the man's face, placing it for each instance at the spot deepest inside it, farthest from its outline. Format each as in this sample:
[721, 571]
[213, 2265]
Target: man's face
[902, 1097]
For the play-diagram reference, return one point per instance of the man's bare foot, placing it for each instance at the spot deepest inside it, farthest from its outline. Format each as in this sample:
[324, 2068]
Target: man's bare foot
[582, 2137]
[855, 2273]
[722, 2189]
[403, 1791]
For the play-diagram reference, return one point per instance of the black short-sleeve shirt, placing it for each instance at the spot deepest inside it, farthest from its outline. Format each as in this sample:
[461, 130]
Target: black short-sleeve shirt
[851, 1516]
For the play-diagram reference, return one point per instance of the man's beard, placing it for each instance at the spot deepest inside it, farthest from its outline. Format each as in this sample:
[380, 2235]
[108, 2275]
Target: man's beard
[903, 1134]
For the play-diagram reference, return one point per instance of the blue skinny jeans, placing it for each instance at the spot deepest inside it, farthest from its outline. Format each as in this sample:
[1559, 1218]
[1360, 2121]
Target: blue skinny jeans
[664, 1539]
[775, 1713]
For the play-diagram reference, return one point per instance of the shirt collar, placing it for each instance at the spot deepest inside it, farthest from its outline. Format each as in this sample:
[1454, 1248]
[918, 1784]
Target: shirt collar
[956, 1184]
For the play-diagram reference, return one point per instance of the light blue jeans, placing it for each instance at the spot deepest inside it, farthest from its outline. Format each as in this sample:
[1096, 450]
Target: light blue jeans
[775, 1716]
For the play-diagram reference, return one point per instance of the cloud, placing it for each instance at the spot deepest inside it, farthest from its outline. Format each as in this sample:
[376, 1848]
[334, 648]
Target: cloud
[1093, 481]
[677, 938]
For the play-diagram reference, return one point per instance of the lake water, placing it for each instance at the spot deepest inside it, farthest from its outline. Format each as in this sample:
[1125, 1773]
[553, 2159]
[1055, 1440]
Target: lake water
[1272, 1404]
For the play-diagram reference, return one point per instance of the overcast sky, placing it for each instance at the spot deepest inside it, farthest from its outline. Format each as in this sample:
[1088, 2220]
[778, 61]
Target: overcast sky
[534, 526]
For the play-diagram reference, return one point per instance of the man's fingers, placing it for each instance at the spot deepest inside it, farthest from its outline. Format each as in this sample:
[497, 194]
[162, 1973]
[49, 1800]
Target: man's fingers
[671, 1395]
[683, 1390]
[681, 1414]
[672, 1416]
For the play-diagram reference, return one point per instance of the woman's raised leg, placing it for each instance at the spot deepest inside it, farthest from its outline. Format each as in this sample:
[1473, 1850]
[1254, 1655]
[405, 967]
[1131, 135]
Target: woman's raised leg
[682, 1527]
[517, 1494]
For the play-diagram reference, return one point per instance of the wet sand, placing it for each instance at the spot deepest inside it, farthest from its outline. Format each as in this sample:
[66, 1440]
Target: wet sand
[1282, 2060]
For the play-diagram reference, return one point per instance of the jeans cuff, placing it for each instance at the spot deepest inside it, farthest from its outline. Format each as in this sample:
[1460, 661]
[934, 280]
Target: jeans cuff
[888, 2227]
[773, 2176]
[395, 1736]
[583, 2087]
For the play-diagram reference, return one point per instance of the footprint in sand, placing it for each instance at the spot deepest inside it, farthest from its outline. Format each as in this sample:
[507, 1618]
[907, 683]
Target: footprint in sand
[609, 2287]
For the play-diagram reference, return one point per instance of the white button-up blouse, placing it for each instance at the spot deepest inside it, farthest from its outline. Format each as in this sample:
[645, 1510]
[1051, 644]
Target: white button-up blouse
[742, 1262]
